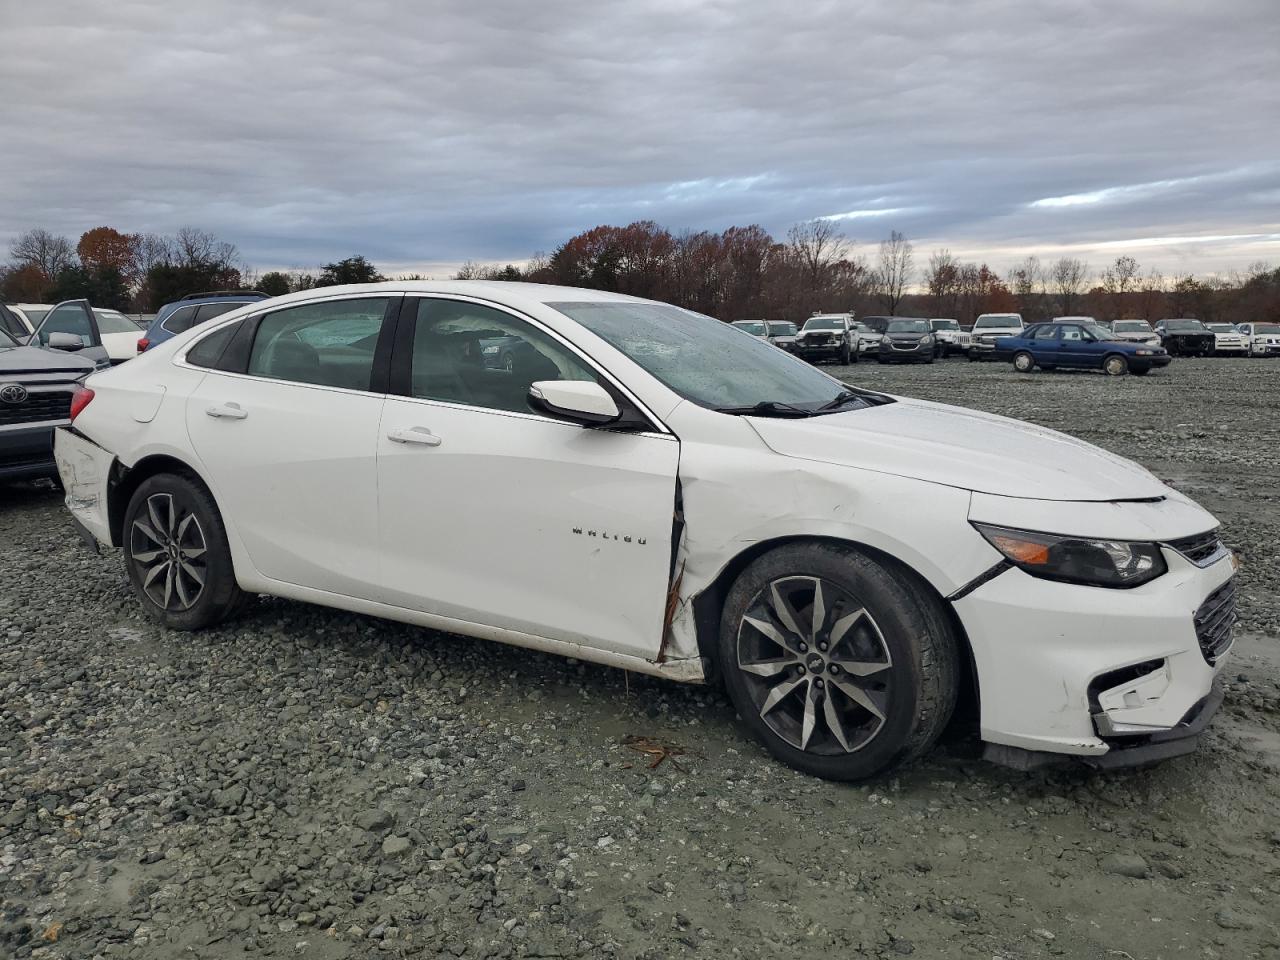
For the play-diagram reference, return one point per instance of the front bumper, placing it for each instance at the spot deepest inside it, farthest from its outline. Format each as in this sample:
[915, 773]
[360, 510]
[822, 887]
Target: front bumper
[26, 451]
[1089, 671]
[914, 351]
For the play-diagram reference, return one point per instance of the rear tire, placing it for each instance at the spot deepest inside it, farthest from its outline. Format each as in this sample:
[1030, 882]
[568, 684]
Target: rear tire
[176, 554]
[840, 665]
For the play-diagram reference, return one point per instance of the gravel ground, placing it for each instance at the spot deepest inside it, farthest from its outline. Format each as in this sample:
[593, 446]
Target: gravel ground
[306, 783]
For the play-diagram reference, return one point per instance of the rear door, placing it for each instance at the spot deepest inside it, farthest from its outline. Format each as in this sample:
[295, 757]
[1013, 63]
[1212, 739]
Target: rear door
[1045, 344]
[286, 423]
[76, 318]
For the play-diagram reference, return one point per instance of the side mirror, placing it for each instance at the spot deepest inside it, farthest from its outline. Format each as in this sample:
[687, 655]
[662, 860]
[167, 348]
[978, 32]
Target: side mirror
[65, 341]
[578, 401]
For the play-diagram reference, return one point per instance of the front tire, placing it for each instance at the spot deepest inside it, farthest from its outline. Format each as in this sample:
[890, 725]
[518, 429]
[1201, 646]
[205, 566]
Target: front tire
[1115, 366]
[176, 553]
[1024, 362]
[841, 666]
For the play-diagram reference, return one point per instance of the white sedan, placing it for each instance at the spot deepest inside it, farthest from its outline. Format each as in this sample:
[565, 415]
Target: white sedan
[648, 488]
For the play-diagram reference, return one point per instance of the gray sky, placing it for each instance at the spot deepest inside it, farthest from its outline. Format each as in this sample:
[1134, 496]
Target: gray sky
[425, 134]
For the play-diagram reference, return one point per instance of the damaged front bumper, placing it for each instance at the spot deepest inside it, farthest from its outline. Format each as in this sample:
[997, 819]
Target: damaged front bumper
[85, 470]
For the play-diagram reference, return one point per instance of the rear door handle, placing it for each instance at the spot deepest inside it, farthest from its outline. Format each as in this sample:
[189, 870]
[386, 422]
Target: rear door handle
[227, 411]
[415, 435]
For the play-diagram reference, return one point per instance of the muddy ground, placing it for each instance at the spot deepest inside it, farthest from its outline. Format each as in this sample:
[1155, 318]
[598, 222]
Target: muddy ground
[305, 783]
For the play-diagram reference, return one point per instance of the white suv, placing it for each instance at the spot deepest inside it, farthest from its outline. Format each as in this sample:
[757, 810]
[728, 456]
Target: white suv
[988, 328]
[645, 487]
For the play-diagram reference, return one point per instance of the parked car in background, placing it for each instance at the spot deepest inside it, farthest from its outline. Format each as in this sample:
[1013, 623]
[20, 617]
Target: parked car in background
[988, 328]
[193, 310]
[36, 389]
[1228, 341]
[756, 328]
[1088, 346]
[907, 340]
[949, 337]
[1262, 339]
[782, 334]
[828, 336]
[1135, 331]
[691, 503]
[72, 326]
[30, 313]
[868, 338]
[13, 323]
[119, 334]
[1185, 337]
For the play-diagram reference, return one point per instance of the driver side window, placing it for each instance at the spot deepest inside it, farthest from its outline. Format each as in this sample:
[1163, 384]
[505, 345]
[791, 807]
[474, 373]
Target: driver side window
[475, 355]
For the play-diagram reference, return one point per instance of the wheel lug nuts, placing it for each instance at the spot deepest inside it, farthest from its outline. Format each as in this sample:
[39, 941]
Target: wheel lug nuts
[800, 668]
[834, 667]
[819, 683]
[822, 646]
[804, 648]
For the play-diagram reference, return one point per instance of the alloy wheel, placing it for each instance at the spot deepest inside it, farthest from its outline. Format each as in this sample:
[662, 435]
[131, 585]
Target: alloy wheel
[168, 545]
[1115, 366]
[815, 664]
[1023, 362]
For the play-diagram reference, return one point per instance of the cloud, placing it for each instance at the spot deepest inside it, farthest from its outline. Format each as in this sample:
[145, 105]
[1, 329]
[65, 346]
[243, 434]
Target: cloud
[427, 134]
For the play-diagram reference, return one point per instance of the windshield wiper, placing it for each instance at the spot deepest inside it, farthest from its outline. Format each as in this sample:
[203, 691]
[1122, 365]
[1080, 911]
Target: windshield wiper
[839, 400]
[768, 408]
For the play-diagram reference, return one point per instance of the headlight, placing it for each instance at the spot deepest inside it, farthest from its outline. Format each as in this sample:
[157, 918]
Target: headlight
[1144, 353]
[1098, 563]
[927, 338]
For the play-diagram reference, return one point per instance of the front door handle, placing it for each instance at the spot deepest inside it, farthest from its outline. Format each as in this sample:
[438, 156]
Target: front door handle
[227, 411]
[415, 435]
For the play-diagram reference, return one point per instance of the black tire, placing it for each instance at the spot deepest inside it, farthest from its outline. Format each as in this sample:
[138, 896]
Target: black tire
[920, 673]
[844, 353]
[973, 355]
[882, 359]
[1115, 365]
[219, 596]
[1023, 361]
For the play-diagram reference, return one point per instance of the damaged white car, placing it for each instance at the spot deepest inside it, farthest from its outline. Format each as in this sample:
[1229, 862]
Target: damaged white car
[645, 487]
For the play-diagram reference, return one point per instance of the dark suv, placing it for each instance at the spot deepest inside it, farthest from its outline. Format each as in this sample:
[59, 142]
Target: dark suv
[194, 309]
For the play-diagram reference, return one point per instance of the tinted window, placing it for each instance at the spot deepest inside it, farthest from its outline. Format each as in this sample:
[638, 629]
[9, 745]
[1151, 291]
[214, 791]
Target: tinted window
[180, 320]
[473, 354]
[67, 318]
[207, 352]
[208, 311]
[330, 343]
[10, 323]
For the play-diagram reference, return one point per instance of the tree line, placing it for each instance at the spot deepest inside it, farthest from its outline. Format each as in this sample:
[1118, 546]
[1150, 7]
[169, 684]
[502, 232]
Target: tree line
[738, 273]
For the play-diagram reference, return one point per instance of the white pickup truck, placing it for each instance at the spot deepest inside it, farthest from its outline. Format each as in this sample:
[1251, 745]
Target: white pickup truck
[990, 327]
[949, 337]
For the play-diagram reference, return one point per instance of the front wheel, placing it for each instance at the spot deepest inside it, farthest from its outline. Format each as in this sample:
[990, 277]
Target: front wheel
[844, 354]
[1115, 366]
[841, 666]
[1023, 362]
[973, 355]
[176, 553]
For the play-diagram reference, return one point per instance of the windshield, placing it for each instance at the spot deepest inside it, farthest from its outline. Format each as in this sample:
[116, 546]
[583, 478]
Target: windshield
[1131, 326]
[909, 326]
[1099, 331]
[701, 359]
[35, 314]
[823, 323]
[109, 321]
[751, 326]
[997, 320]
[777, 329]
[6, 340]
[1222, 328]
[944, 325]
[1184, 326]
[1266, 328]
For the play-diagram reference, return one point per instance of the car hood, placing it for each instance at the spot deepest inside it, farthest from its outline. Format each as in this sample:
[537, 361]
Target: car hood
[15, 360]
[962, 448]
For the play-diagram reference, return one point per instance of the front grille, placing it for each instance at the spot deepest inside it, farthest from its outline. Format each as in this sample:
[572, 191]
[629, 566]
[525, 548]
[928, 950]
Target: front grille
[820, 338]
[37, 408]
[904, 346]
[1201, 549]
[1214, 621]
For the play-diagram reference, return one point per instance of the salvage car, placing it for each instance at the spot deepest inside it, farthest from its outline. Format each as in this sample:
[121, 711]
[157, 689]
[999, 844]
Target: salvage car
[36, 390]
[782, 334]
[1135, 331]
[1228, 341]
[868, 338]
[667, 496]
[1079, 346]
[756, 328]
[1263, 338]
[828, 336]
[119, 334]
[949, 337]
[907, 340]
[988, 328]
[1185, 338]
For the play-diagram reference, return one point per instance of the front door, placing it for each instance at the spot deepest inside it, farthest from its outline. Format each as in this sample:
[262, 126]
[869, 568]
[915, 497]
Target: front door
[492, 514]
[288, 438]
[73, 318]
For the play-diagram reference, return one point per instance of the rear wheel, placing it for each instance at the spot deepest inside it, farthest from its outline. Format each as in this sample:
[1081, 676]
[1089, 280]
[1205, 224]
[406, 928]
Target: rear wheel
[1115, 365]
[1024, 362]
[841, 666]
[176, 553]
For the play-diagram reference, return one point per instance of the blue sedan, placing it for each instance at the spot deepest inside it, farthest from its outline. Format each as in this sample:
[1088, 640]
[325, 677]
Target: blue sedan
[1085, 346]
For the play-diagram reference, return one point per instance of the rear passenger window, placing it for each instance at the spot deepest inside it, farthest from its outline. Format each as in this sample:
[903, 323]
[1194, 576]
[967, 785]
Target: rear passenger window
[330, 344]
[180, 320]
[207, 352]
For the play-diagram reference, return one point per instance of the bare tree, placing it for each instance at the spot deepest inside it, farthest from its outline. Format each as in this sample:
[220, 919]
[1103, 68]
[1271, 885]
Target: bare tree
[817, 245]
[1026, 283]
[894, 272]
[1068, 277]
[199, 248]
[1120, 280]
[48, 252]
[942, 278]
[154, 250]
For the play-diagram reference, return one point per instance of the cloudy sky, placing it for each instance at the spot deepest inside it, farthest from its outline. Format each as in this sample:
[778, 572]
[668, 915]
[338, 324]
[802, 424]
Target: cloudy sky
[422, 134]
